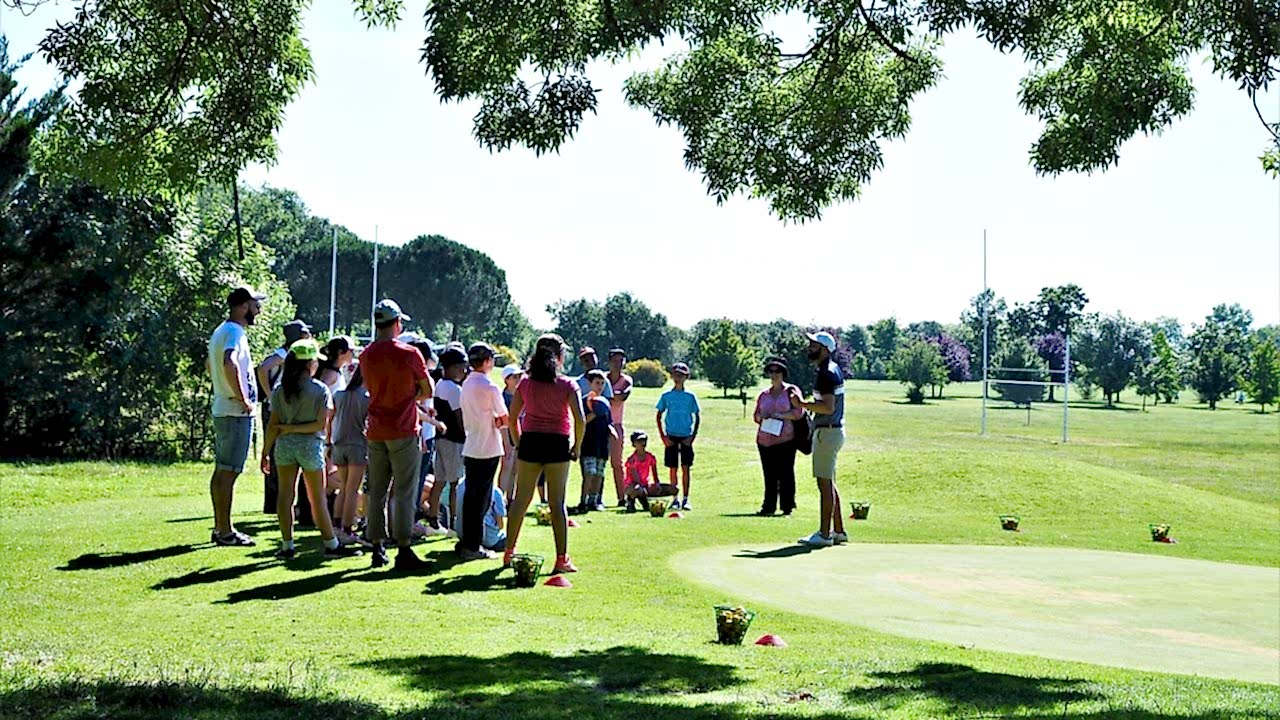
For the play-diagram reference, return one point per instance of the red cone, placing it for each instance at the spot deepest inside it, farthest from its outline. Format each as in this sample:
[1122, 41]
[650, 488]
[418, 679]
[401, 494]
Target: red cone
[676, 515]
[771, 640]
[573, 523]
[559, 581]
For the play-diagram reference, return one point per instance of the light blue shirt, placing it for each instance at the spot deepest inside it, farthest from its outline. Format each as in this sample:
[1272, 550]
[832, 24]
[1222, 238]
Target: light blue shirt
[497, 509]
[680, 406]
[584, 387]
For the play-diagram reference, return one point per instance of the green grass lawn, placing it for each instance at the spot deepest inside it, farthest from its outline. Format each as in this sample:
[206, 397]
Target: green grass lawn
[113, 604]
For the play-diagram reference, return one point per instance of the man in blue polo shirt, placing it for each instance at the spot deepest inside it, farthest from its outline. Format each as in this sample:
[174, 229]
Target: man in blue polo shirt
[827, 407]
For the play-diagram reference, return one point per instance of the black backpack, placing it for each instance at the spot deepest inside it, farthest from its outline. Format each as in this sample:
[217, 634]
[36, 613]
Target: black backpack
[804, 433]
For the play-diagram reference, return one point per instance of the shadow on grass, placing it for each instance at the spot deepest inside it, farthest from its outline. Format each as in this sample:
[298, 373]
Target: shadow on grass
[785, 551]
[620, 683]
[753, 515]
[474, 582]
[102, 561]
[966, 690]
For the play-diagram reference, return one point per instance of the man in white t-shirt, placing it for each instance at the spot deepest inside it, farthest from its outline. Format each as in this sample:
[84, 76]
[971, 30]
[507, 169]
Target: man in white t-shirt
[485, 414]
[234, 398]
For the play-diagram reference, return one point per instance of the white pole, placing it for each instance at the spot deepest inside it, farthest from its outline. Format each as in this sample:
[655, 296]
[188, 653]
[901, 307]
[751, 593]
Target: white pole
[1066, 380]
[333, 281]
[986, 304]
[372, 328]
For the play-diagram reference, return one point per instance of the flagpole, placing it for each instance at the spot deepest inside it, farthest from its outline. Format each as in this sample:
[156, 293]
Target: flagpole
[986, 304]
[333, 281]
[372, 327]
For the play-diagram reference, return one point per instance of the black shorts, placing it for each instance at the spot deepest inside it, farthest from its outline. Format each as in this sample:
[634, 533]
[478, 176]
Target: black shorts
[543, 448]
[679, 454]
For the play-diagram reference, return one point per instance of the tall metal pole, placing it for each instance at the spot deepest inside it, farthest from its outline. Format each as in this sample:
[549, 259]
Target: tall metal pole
[333, 281]
[373, 332]
[1066, 381]
[986, 305]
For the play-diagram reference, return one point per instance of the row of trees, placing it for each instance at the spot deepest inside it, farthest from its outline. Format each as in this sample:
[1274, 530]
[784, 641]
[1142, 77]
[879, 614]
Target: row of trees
[1108, 353]
[111, 296]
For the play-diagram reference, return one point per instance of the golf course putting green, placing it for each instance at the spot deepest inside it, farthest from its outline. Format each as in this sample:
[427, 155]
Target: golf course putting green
[1138, 611]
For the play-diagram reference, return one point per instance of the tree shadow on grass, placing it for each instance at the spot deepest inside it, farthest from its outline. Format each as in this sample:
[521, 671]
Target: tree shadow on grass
[785, 551]
[102, 561]
[966, 690]
[620, 683]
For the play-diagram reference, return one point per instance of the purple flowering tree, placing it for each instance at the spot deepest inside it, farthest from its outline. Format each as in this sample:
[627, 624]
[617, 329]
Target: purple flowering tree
[1052, 348]
[955, 356]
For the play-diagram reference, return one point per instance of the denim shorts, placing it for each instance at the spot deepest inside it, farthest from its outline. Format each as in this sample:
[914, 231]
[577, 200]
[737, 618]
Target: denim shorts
[305, 451]
[231, 437]
[594, 465]
[350, 454]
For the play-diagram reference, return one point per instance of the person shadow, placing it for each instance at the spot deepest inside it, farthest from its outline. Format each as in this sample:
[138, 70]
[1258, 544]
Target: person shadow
[785, 551]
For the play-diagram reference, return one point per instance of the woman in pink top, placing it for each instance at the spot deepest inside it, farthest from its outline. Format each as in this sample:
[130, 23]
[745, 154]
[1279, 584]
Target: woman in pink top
[777, 409]
[550, 415]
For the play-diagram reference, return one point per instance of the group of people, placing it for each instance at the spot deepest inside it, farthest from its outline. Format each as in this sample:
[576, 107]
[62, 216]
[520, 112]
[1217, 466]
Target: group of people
[439, 448]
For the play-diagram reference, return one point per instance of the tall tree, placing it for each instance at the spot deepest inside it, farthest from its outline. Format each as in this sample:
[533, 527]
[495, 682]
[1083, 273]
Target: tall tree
[1263, 379]
[1111, 351]
[579, 322]
[972, 320]
[175, 92]
[886, 336]
[1166, 375]
[635, 328]
[857, 339]
[1219, 350]
[1059, 308]
[1018, 362]
[1023, 321]
[917, 364]
[728, 362]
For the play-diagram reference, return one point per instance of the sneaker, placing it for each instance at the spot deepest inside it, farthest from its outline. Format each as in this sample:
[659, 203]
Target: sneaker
[347, 538]
[630, 505]
[379, 556]
[234, 539]
[468, 554]
[343, 551]
[406, 561]
[565, 565]
[685, 505]
[435, 531]
[599, 507]
[576, 510]
[816, 540]
[418, 531]
[451, 534]
[839, 538]
[622, 503]
[287, 553]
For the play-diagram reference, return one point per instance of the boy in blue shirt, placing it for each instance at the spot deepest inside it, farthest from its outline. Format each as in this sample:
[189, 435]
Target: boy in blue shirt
[678, 429]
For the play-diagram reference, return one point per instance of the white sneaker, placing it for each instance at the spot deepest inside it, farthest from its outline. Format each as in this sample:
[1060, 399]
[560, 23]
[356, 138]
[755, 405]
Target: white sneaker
[685, 505]
[418, 531]
[816, 540]
[451, 534]
[839, 538]
[435, 531]
[481, 554]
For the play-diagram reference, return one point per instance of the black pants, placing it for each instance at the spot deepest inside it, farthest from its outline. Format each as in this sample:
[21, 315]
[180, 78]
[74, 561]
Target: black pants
[779, 465]
[477, 499]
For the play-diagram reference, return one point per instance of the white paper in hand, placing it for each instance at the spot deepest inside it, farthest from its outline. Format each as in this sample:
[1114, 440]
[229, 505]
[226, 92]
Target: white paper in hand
[771, 426]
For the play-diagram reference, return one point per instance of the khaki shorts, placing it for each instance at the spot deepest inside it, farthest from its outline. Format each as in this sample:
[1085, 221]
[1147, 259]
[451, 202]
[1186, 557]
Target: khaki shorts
[827, 442]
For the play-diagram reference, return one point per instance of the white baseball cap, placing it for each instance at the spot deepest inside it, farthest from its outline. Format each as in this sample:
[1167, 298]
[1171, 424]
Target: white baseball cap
[824, 339]
[511, 369]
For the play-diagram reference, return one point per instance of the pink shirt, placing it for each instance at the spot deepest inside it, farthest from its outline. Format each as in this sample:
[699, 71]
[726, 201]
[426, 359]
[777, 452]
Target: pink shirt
[546, 405]
[640, 471]
[777, 405]
[616, 404]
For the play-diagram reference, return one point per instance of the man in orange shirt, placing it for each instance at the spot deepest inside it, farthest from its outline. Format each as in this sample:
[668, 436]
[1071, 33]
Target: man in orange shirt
[396, 376]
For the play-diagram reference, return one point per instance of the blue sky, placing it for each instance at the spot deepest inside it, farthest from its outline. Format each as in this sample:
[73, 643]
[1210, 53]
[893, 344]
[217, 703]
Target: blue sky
[1185, 221]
